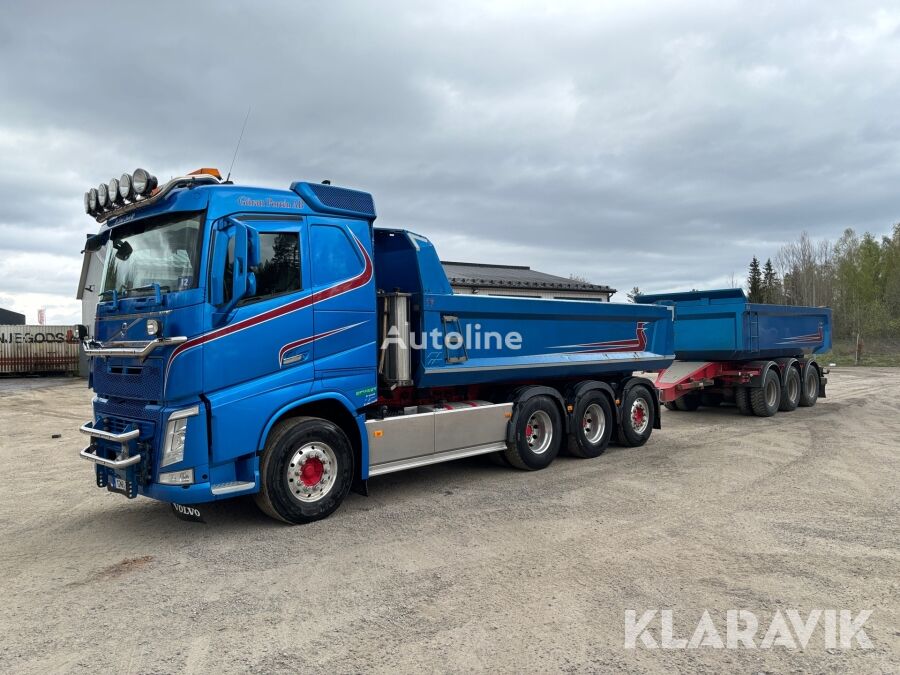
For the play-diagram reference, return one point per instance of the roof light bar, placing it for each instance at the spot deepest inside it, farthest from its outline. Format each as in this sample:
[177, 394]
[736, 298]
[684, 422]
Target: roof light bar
[134, 190]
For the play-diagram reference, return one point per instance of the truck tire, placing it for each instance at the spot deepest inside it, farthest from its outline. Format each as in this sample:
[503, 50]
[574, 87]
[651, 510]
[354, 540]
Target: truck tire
[742, 400]
[537, 435]
[305, 470]
[670, 405]
[790, 390]
[592, 426]
[765, 399]
[688, 402]
[637, 418]
[809, 392]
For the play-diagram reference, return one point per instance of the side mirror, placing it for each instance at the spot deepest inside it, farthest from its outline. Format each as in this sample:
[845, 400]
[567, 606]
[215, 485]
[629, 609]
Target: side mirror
[234, 240]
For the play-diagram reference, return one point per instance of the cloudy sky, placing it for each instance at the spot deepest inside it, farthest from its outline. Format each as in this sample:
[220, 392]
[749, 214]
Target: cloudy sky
[634, 143]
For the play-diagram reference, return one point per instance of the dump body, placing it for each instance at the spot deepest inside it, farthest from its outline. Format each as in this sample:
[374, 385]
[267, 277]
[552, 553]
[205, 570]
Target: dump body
[721, 325]
[505, 339]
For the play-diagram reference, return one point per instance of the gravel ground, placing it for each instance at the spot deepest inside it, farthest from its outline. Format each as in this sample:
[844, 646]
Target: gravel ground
[466, 566]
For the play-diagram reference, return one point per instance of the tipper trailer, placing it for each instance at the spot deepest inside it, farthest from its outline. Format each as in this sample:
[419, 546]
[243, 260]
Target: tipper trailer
[274, 343]
[758, 356]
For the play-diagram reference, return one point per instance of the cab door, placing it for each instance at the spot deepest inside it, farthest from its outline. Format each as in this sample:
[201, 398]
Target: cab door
[266, 332]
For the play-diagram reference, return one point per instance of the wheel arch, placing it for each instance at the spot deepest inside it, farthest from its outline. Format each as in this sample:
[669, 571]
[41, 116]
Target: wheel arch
[578, 390]
[527, 392]
[330, 406]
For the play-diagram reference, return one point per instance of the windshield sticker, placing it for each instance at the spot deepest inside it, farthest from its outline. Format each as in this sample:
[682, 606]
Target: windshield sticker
[271, 203]
[184, 283]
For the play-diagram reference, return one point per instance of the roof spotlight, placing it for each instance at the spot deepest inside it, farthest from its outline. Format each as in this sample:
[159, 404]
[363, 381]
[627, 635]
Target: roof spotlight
[92, 199]
[143, 182]
[125, 187]
[87, 202]
[114, 191]
[103, 195]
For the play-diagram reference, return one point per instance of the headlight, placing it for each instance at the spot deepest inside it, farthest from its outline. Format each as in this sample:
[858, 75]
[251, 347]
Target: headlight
[125, 186]
[176, 430]
[103, 195]
[153, 327]
[143, 182]
[114, 191]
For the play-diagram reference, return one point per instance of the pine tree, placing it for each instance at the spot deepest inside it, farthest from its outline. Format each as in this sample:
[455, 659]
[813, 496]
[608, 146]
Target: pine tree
[771, 284]
[634, 292]
[754, 281]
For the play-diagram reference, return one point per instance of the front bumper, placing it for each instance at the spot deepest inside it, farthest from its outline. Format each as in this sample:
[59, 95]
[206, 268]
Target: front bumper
[124, 459]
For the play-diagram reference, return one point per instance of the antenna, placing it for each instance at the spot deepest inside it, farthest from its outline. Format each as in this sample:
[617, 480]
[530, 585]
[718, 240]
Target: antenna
[234, 157]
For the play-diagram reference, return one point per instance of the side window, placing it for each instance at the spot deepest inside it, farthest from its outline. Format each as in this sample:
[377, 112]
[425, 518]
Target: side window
[334, 256]
[279, 265]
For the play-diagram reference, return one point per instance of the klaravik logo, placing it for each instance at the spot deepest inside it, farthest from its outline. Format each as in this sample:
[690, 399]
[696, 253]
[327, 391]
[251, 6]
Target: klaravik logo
[655, 629]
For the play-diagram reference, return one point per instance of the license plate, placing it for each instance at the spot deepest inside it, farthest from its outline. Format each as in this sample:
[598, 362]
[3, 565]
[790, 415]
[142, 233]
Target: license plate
[119, 483]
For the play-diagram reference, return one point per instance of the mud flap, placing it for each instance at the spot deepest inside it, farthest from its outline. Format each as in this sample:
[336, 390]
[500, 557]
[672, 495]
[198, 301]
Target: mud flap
[187, 512]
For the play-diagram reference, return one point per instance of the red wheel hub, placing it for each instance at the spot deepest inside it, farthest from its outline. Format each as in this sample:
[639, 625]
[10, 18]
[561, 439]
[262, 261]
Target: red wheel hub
[528, 430]
[312, 471]
[637, 417]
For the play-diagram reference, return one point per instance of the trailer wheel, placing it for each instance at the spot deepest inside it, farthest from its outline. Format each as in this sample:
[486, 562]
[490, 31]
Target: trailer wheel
[742, 400]
[305, 470]
[670, 405]
[765, 399]
[637, 418]
[688, 402]
[809, 393]
[537, 436]
[592, 427]
[790, 390]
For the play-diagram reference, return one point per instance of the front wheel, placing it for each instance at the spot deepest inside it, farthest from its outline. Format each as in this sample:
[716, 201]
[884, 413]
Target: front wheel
[637, 417]
[305, 470]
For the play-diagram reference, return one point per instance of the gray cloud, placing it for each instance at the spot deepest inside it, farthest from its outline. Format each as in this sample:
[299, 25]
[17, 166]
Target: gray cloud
[636, 144]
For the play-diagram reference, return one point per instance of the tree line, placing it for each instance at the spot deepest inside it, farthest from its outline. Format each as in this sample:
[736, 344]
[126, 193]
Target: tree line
[858, 276]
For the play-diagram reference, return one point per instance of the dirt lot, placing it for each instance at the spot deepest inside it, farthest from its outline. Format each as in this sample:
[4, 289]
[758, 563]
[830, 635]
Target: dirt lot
[466, 566]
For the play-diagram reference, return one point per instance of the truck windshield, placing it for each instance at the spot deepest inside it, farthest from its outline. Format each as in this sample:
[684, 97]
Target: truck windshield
[164, 251]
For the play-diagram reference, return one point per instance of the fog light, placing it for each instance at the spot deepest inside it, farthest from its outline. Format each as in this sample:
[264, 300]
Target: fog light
[185, 477]
[154, 328]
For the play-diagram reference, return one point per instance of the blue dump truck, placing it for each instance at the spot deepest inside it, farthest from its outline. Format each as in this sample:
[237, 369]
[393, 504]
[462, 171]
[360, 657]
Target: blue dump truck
[274, 343]
[759, 357]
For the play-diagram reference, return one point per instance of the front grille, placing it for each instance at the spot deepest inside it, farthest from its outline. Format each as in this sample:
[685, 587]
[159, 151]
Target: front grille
[118, 415]
[142, 382]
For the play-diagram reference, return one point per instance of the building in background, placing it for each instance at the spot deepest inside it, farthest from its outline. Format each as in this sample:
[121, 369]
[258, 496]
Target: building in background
[10, 318]
[518, 281]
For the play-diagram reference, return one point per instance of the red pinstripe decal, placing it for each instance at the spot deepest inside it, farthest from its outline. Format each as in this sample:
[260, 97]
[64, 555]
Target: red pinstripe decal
[636, 344]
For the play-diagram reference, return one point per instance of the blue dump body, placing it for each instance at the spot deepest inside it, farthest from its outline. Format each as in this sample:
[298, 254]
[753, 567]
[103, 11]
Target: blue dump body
[722, 325]
[558, 338]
